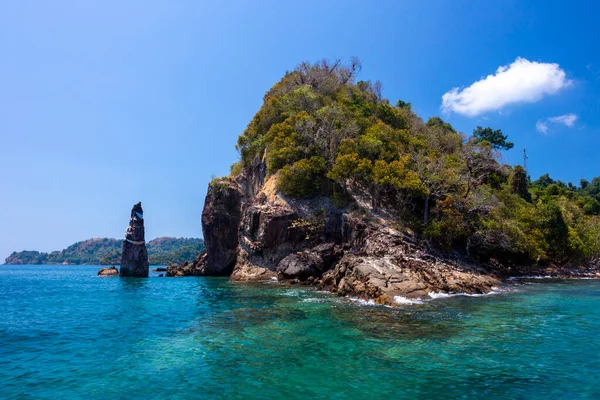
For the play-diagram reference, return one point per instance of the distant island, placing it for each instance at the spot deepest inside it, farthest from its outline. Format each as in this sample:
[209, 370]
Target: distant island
[107, 251]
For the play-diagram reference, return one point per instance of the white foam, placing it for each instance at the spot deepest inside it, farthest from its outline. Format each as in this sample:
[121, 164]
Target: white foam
[314, 300]
[432, 296]
[272, 281]
[442, 295]
[363, 302]
[513, 278]
[477, 294]
[404, 300]
[575, 277]
[293, 293]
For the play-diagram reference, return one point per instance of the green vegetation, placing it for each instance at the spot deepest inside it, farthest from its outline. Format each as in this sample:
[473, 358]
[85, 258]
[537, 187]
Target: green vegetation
[325, 134]
[494, 137]
[161, 251]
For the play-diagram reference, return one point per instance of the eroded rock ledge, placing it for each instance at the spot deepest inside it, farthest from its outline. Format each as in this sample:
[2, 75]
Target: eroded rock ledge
[253, 233]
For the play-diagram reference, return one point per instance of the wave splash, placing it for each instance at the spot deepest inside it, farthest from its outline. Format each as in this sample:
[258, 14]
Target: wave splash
[405, 300]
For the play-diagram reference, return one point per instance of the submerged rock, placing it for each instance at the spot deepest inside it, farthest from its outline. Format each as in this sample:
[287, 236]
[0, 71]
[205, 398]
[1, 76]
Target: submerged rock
[111, 271]
[134, 258]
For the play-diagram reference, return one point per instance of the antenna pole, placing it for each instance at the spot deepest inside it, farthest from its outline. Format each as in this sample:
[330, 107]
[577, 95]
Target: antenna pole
[525, 159]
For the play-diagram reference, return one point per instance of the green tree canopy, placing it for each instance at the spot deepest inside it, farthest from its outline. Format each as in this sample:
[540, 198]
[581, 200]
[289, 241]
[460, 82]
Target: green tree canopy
[519, 183]
[320, 134]
[494, 137]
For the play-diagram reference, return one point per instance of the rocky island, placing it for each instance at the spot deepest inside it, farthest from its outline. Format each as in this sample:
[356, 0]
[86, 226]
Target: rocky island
[339, 189]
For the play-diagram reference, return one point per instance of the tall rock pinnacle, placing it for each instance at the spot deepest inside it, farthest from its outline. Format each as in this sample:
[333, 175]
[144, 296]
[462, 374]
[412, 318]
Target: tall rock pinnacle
[134, 259]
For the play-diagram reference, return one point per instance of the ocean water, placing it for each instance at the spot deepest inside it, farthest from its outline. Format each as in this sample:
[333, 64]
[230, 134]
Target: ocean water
[67, 334]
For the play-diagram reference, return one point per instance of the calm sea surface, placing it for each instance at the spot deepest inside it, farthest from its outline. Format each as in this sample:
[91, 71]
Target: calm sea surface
[65, 333]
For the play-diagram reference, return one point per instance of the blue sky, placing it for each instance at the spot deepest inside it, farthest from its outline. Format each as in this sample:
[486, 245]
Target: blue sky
[106, 103]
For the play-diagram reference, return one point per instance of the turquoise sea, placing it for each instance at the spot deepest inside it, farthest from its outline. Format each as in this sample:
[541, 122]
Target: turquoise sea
[67, 334]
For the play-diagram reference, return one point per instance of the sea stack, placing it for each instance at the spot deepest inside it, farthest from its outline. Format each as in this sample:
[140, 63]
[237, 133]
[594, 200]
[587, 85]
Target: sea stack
[134, 258]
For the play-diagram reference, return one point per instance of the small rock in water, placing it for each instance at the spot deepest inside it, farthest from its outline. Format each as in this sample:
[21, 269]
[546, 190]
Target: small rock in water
[112, 271]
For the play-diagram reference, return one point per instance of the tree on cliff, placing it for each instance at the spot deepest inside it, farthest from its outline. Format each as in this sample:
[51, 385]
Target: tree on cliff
[494, 137]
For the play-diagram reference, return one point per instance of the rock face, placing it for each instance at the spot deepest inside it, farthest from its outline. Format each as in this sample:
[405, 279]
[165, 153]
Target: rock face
[252, 232]
[309, 263]
[134, 257]
[112, 271]
[220, 220]
[382, 264]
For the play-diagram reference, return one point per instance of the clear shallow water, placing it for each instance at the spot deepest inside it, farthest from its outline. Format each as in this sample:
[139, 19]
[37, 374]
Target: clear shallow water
[64, 333]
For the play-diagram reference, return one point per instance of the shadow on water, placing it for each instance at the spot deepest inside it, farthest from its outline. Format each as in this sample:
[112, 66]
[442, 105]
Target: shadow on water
[133, 284]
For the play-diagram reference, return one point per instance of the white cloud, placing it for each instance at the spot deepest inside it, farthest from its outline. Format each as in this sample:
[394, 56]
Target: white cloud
[566, 120]
[523, 81]
[541, 127]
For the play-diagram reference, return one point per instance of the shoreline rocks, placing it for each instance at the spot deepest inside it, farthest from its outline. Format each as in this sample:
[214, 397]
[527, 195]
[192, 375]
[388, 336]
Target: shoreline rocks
[254, 233]
[111, 271]
[195, 268]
